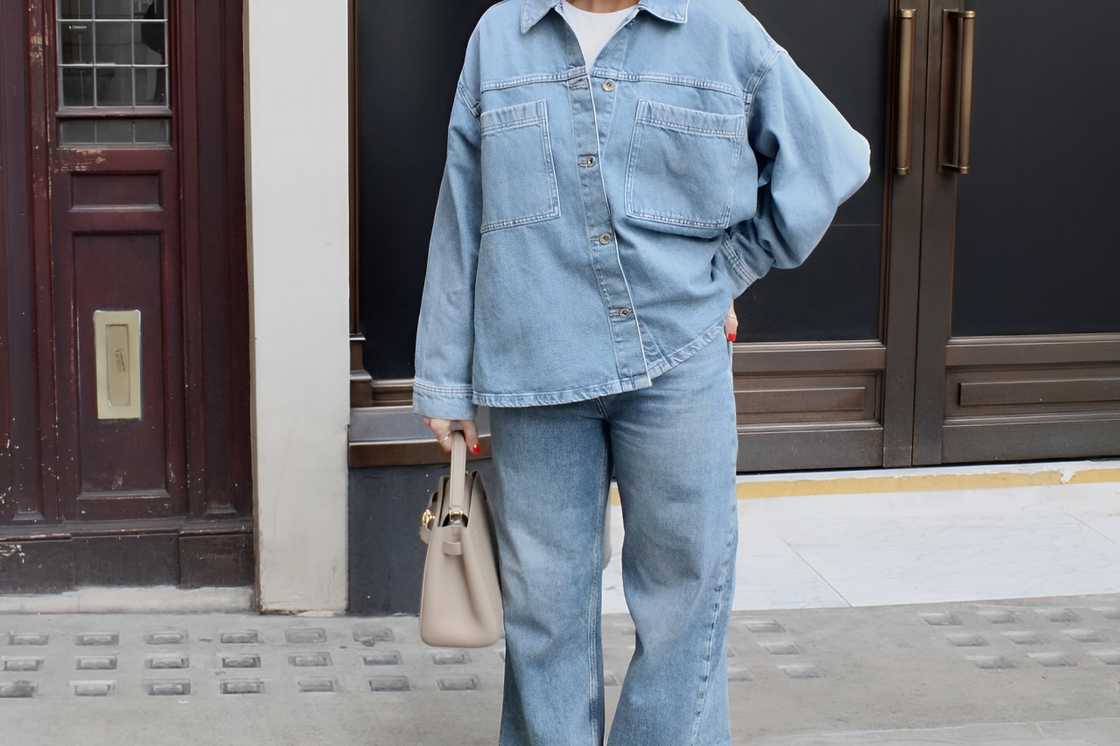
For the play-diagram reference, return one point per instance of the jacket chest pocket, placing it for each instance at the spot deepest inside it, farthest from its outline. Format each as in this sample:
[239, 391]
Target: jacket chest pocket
[518, 172]
[680, 175]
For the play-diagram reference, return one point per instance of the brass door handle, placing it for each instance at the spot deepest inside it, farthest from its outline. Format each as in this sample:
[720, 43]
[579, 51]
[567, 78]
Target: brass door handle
[907, 19]
[957, 154]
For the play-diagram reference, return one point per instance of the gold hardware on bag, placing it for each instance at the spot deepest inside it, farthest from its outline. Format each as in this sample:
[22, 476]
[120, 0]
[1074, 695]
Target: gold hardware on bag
[426, 518]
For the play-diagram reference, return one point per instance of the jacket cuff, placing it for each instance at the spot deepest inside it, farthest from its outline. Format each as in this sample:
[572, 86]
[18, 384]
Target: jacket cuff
[742, 274]
[448, 402]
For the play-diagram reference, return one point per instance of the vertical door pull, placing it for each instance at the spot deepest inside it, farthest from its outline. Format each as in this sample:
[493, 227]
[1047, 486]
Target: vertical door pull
[906, 20]
[960, 143]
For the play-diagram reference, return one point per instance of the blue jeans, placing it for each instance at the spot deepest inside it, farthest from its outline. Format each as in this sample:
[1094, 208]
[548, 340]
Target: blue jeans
[673, 449]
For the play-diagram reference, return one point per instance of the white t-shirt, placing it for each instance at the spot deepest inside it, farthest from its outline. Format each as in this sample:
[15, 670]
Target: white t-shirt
[593, 29]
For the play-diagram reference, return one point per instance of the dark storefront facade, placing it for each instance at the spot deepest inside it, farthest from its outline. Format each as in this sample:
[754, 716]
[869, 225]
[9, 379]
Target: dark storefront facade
[963, 308]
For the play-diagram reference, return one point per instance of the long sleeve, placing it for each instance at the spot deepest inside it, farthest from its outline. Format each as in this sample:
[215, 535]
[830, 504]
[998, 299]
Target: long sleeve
[810, 161]
[445, 329]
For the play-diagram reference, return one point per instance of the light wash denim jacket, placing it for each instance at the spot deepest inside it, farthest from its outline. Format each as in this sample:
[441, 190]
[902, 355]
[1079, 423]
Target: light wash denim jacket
[594, 226]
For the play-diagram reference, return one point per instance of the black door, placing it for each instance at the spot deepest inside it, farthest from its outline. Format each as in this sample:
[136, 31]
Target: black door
[1019, 343]
[824, 357]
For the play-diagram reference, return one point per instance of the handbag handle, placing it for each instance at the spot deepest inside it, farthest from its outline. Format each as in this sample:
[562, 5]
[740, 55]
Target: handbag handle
[458, 476]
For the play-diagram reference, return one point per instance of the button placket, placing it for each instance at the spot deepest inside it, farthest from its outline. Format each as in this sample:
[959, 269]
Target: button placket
[590, 122]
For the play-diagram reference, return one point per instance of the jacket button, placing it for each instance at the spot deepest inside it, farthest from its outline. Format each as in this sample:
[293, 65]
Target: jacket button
[608, 85]
[587, 161]
[605, 238]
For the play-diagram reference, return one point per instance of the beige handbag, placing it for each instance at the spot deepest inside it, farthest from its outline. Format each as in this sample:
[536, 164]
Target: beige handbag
[460, 592]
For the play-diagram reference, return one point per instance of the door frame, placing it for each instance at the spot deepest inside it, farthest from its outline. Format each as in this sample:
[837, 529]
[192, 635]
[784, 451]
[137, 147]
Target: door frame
[908, 53]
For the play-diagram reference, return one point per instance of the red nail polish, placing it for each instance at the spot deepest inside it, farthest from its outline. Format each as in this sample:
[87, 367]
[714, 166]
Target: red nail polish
[731, 337]
[476, 448]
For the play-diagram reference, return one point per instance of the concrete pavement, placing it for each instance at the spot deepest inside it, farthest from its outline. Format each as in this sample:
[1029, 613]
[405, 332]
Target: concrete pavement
[1008, 672]
[890, 612]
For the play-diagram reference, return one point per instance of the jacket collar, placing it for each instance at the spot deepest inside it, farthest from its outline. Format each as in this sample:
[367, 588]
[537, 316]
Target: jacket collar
[675, 11]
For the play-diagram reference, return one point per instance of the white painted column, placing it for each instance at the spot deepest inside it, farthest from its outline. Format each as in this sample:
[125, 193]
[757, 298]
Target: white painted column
[298, 202]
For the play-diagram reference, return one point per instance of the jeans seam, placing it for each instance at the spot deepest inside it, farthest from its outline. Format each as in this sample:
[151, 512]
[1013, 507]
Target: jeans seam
[707, 682]
[590, 677]
[593, 617]
[600, 406]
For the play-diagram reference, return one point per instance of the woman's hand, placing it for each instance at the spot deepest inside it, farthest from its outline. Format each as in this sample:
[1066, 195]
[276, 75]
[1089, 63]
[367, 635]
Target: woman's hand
[442, 429]
[730, 323]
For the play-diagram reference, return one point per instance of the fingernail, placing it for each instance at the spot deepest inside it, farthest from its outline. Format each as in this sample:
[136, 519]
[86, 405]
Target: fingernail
[476, 448]
[731, 337]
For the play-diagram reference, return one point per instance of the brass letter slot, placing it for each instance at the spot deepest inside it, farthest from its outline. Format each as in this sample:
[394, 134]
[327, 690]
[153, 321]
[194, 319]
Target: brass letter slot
[116, 340]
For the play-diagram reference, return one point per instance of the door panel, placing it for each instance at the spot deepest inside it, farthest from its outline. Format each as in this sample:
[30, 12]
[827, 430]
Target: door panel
[1037, 236]
[124, 467]
[836, 294]
[823, 373]
[1019, 346]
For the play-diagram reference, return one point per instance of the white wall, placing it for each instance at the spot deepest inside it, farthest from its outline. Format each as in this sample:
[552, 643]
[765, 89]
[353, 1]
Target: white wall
[297, 115]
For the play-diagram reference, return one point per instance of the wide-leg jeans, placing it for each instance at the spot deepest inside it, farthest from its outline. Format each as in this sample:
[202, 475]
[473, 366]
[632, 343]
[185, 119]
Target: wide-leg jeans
[672, 448]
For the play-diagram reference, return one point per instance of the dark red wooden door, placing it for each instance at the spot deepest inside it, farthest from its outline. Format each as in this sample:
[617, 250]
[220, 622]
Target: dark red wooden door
[125, 448]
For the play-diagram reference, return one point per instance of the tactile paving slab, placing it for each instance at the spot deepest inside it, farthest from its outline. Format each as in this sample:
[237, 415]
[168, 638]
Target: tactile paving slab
[796, 676]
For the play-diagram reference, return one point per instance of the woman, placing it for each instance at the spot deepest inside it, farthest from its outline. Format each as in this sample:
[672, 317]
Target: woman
[611, 186]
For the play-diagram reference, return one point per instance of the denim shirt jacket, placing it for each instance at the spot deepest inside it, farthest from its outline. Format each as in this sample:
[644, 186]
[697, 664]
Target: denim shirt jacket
[593, 226]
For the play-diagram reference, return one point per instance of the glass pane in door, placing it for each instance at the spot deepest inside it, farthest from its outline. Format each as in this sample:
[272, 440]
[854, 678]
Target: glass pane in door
[836, 293]
[1038, 241]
